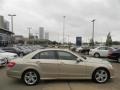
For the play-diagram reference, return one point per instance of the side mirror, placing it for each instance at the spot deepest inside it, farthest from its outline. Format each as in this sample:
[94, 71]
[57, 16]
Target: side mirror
[78, 60]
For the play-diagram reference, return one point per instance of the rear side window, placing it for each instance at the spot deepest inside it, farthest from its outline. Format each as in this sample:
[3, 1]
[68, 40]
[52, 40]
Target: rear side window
[45, 55]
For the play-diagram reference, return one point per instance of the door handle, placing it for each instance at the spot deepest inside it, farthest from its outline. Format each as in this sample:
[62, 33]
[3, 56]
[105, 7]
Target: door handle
[37, 62]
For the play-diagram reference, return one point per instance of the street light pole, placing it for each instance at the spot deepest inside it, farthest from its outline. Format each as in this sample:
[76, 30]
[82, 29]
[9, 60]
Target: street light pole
[29, 28]
[11, 15]
[64, 28]
[93, 21]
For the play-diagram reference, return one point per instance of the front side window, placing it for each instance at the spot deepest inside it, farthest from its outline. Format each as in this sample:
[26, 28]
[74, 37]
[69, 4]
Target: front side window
[45, 55]
[66, 55]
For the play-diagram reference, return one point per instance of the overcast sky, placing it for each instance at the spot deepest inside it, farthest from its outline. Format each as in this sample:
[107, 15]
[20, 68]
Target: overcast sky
[79, 13]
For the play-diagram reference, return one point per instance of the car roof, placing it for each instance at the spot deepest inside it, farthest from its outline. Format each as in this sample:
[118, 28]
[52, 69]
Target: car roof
[52, 49]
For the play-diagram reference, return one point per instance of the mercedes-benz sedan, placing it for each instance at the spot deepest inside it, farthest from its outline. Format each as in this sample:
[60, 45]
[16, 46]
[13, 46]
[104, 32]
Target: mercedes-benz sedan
[58, 64]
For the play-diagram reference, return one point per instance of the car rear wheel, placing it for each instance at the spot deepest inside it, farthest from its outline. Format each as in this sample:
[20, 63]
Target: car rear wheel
[97, 55]
[101, 75]
[31, 77]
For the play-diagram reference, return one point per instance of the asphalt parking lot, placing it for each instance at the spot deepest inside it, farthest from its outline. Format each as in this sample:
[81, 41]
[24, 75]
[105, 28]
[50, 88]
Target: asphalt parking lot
[7, 83]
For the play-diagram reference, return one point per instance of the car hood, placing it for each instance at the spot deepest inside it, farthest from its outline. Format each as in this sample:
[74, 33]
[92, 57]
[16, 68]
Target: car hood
[96, 60]
[8, 54]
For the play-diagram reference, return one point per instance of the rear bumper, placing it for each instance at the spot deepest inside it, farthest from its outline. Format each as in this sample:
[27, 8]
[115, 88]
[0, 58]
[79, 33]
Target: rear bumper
[13, 74]
[3, 64]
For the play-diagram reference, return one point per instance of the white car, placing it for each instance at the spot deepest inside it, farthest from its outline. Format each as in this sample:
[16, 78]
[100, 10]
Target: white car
[8, 55]
[3, 61]
[79, 49]
[101, 51]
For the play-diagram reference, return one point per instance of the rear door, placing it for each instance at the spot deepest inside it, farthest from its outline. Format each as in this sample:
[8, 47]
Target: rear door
[103, 51]
[48, 64]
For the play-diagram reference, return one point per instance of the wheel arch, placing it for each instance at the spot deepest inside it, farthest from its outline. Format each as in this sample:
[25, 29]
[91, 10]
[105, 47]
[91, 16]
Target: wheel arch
[96, 53]
[27, 69]
[101, 68]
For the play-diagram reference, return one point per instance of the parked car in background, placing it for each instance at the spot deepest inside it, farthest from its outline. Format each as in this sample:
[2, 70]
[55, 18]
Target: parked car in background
[58, 64]
[115, 55]
[13, 50]
[7, 55]
[84, 50]
[3, 61]
[101, 51]
[25, 50]
[73, 48]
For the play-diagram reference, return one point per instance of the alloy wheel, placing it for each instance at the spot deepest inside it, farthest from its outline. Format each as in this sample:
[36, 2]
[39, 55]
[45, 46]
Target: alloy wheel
[31, 78]
[97, 55]
[101, 76]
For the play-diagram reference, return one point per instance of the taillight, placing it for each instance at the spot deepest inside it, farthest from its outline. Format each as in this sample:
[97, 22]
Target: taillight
[110, 52]
[11, 64]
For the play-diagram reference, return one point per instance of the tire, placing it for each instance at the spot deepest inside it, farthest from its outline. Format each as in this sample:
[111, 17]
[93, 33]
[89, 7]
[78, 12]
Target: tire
[86, 53]
[118, 60]
[97, 55]
[101, 75]
[30, 77]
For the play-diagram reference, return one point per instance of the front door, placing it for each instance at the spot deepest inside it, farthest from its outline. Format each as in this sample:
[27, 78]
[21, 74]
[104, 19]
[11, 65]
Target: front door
[69, 66]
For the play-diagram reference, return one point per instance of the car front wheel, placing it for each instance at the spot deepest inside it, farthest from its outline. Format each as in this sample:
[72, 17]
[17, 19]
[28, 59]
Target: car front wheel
[31, 77]
[101, 76]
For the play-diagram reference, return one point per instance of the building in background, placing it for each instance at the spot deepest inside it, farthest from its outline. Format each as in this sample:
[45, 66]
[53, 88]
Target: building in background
[6, 25]
[5, 34]
[19, 39]
[78, 41]
[41, 33]
[47, 35]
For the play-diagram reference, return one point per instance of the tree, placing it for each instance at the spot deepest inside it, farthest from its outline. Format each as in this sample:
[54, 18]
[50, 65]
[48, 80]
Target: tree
[116, 43]
[109, 40]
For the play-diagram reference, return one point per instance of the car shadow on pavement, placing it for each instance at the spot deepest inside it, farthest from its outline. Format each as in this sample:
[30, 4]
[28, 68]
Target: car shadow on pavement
[17, 82]
[71, 81]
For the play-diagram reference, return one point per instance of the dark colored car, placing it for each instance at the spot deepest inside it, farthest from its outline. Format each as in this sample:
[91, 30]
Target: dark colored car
[13, 50]
[84, 50]
[115, 55]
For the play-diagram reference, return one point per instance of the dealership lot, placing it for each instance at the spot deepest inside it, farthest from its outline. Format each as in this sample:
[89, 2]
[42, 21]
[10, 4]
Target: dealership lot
[7, 83]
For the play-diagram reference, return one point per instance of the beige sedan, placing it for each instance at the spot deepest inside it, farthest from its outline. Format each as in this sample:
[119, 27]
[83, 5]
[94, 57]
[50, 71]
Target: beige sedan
[58, 64]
